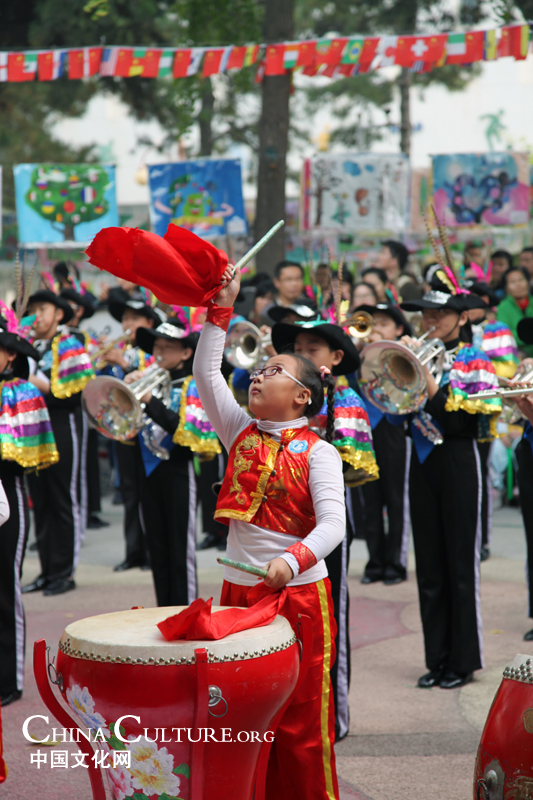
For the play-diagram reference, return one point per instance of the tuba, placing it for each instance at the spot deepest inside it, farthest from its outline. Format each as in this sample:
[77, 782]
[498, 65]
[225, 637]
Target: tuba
[245, 345]
[393, 376]
[114, 408]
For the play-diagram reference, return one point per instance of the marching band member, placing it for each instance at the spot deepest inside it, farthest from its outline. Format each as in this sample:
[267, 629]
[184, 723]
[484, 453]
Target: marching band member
[133, 314]
[26, 442]
[83, 305]
[524, 458]
[445, 489]
[327, 344]
[179, 428]
[64, 368]
[499, 344]
[387, 551]
[283, 498]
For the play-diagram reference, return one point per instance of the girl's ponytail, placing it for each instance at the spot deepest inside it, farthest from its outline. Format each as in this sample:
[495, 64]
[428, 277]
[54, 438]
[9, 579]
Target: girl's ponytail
[330, 423]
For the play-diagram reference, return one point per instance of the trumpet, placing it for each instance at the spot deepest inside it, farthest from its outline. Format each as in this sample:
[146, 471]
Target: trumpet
[114, 408]
[97, 359]
[245, 345]
[393, 377]
[360, 325]
[506, 392]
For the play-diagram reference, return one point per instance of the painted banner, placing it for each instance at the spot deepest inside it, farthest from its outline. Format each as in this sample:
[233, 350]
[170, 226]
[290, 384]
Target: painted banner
[64, 204]
[481, 189]
[204, 196]
[351, 192]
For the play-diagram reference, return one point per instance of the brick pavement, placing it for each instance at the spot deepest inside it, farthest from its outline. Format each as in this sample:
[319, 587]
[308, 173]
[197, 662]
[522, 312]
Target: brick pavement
[404, 743]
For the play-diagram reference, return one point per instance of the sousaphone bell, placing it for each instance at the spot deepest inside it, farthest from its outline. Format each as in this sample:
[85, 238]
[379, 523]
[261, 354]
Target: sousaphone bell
[393, 377]
[114, 408]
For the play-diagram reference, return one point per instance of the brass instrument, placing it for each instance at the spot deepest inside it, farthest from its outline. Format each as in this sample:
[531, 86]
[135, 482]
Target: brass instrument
[245, 345]
[359, 326]
[114, 408]
[507, 391]
[393, 377]
[97, 359]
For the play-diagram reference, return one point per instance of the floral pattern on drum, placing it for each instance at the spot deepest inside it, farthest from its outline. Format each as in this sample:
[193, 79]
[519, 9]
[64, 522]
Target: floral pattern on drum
[151, 772]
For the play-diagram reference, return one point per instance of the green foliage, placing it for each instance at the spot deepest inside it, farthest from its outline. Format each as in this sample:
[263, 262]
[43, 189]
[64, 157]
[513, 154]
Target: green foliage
[182, 769]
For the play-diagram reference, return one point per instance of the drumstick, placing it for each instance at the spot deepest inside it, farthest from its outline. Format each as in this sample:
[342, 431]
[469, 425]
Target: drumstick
[227, 562]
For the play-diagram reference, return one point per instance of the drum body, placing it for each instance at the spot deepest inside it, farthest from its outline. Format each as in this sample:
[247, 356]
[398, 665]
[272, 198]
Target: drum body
[118, 667]
[504, 762]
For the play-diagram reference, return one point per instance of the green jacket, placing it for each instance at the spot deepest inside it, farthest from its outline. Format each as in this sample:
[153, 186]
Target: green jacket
[510, 313]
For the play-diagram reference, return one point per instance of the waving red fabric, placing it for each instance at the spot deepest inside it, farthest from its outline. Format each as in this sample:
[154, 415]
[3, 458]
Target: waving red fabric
[197, 621]
[179, 268]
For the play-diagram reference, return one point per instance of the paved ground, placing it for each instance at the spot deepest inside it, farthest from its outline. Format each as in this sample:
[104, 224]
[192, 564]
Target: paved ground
[404, 743]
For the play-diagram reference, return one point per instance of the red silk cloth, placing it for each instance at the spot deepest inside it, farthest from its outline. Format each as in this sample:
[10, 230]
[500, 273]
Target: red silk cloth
[197, 621]
[179, 268]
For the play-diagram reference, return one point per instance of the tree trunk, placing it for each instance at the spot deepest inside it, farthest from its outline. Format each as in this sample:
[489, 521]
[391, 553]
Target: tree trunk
[68, 232]
[404, 82]
[278, 26]
[205, 118]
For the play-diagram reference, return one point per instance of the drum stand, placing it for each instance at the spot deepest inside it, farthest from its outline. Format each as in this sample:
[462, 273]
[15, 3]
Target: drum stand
[46, 674]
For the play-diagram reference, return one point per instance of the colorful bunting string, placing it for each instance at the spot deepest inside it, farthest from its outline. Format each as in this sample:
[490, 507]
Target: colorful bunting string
[336, 57]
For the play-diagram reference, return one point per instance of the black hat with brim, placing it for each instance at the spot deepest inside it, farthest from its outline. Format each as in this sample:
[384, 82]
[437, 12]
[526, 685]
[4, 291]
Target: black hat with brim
[47, 296]
[482, 289]
[525, 330]
[304, 310]
[284, 336]
[390, 310]
[444, 301]
[117, 310]
[83, 300]
[171, 330]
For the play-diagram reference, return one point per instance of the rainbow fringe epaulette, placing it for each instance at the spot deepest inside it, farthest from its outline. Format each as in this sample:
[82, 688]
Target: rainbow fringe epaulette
[194, 429]
[353, 434]
[26, 434]
[500, 346]
[473, 372]
[71, 366]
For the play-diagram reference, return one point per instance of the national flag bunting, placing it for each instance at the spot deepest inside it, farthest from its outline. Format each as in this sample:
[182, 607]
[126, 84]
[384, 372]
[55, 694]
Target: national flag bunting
[274, 59]
[329, 51]
[425, 49]
[368, 53]
[21, 66]
[137, 61]
[51, 65]
[243, 56]
[216, 60]
[291, 55]
[520, 36]
[306, 53]
[352, 51]
[84, 63]
[465, 48]
[3, 67]
[187, 62]
[490, 50]
[165, 62]
[109, 60]
[386, 51]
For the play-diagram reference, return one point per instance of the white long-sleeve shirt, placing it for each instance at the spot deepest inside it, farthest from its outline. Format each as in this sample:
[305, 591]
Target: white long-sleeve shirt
[248, 542]
[5, 511]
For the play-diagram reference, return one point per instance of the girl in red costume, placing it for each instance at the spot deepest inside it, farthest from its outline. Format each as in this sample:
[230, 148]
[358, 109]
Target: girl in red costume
[283, 498]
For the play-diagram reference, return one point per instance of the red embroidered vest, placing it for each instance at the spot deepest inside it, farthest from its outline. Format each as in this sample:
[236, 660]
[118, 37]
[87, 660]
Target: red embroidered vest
[267, 482]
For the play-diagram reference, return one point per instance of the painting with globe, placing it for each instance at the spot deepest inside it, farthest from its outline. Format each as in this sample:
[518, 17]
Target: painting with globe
[64, 204]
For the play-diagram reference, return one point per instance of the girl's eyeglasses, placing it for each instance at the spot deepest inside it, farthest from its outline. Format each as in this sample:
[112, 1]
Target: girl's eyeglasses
[269, 372]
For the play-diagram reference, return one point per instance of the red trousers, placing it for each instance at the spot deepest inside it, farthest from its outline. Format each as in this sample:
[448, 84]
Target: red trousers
[302, 759]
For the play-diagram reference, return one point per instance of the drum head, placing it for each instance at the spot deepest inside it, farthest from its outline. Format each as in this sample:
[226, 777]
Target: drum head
[132, 637]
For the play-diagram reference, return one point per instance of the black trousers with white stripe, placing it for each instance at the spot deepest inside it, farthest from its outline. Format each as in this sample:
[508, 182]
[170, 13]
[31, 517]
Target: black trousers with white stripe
[445, 497]
[131, 472]
[524, 458]
[388, 549]
[486, 496]
[337, 563]
[55, 496]
[13, 536]
[169, 513]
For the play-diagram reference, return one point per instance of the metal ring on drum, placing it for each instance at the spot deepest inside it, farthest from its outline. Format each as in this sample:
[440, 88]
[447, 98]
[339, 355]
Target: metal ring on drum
[118, 665]
[504, 765]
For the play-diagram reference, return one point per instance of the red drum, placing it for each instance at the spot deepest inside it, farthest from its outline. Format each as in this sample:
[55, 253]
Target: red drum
[504, 762]
[207, 707]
